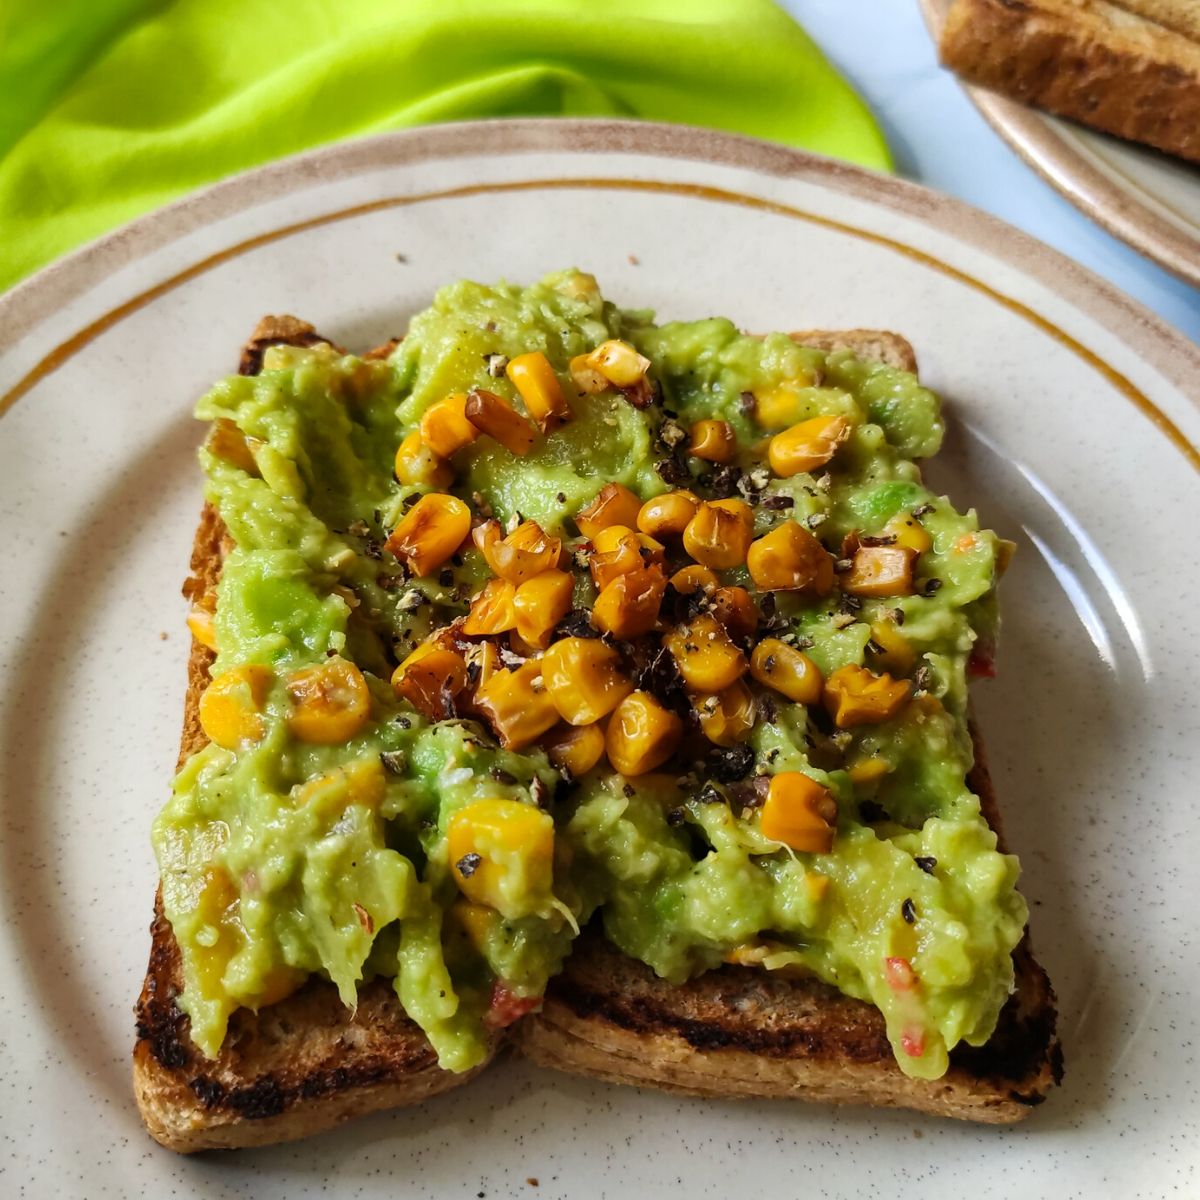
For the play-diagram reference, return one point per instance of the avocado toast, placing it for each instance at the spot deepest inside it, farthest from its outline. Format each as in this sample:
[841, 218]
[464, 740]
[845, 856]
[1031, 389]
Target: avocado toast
[341, 828]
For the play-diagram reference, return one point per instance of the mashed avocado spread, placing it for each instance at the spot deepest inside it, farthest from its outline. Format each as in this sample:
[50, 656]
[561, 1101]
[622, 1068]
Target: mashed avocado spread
[473, 690]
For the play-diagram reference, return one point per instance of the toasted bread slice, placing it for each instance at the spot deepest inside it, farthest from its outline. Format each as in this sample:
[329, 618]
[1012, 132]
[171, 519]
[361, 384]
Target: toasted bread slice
[1130, 68]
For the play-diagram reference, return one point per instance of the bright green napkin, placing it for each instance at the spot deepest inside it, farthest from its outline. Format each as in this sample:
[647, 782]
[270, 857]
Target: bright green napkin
[109, 108]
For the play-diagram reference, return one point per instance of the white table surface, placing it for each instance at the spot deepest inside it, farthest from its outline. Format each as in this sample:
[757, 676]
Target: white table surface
[939, 139]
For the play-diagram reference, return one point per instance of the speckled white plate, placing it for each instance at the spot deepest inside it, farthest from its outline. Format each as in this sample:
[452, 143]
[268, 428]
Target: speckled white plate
[1073, 427]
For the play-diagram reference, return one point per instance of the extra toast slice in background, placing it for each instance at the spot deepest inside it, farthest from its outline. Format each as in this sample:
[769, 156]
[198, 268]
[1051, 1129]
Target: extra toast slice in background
[744, 1032]
[1130, 68]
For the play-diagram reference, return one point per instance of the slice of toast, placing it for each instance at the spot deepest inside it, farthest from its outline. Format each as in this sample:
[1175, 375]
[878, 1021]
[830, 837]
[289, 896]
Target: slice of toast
[308, 1063]
[1130, 68]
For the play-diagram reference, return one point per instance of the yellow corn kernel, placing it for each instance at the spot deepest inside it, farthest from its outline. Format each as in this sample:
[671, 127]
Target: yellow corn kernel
[231, 706]
[800, 813]
[474, 920]
[493, 610]
[889, 648]
[584, 679]
[727, 716]
[229, 443]
[641, 734]
[749, 954]
[576, 749]
[517, 705]
[430, 532]
[628, 606]
[430, 679]
[502, 855]
[617, 549]
[417, 465]
[790, 558]
[445, 428]
[587, 380]
[1005, 549]
[735, 609]
[200, 620]
[524, 553]
[695, 579]
[855, 696]
[667, 515]
[713, 441]
[535, 381]
[615, 504]
[779, 406]
[619, 363]
[880, 571]
[540, 603]
[816, 885]
[777, 665]
[720, 533]
[493, 415]
[909, 532]
[707, 658]
[868, 770]
[328, 796]
[807, 446]
[219, 907]
[330, 702]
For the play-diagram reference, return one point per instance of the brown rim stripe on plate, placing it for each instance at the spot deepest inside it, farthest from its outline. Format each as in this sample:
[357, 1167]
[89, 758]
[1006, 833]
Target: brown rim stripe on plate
[67, 349]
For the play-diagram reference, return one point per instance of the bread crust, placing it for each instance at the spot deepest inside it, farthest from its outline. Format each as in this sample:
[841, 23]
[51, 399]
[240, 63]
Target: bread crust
[1098, 63]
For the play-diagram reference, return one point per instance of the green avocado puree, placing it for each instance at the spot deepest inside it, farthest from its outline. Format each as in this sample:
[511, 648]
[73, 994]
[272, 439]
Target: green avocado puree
[282, 858]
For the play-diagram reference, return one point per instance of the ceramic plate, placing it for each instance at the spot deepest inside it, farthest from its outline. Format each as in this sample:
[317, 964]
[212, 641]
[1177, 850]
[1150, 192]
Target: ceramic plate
[1073, 428]
[1147, 199]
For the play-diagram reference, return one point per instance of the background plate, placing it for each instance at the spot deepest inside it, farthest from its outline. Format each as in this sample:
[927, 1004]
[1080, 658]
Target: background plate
[1073, 418]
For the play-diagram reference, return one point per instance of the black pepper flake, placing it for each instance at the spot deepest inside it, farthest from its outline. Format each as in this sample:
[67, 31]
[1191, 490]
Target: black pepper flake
[404, 722]
[676, 817]
[393, 761]
[711, 794]
[887, 539]
[724, 483]
[577, 623]
[752, 793]
[373, 549]
[921, 679]
[502, 776]
[772, 756]
[468, 865]
[871, 812]
[929, 586]
[908, 910]
[390, 583]
[926, 862]
[768, 709]
[540, 792]
[411, 499]
[728, 764]
[446, 578]
[561, 497]
[778, 502]
[747, 404]
[627, 791]
[922, 509]
[673, 470]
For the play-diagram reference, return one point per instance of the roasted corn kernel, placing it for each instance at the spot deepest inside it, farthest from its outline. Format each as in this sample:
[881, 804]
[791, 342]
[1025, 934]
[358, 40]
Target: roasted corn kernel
[584, 678]
[200, 620]
[695, 579]
[430, 679]
[540, 603]
[880, 571]
[868, 770]
[720, 533]
[641, 734]
[713, 441]
[908, 531]
[617, 549]
[614, 504]
[231, 706]
[330, 702]
[535, 381]
[524, 553]
[855, 696]
[800, 813]
[517, 705]
[889, 648]
[417, 465]
[734, 608]
[587, 380]
[445, 428]
[628, 607]
[807, 446]
[777, 665]
[727, 716]
[430, 532]
[575, 749]
[230, 444]
[619, 363]
[493, 415]
[493, 610]
[667, 515]
[779, 406]
[707, 658]
[790, 558]
[474, 921]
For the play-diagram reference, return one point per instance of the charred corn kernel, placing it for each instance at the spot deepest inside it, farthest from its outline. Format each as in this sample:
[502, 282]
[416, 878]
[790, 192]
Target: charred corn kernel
[727, 716]
[667, 515]
[584, 678]
[790, 558]
[855, 696]
[540, 603]
[493, 415]
[707, 658]
[524, 553]
[713, 441]
[493, 610]
[1005, 550]
[576, 749]
[587, 380]
[430, 532]
[789, 671]
[483, 661]
[615, 504]
[417, 465]
[430, 679]
[880, 571]
[868, 770]
[617, 549]
[231, 706]
[628, 607]
[475, 920]
[230, 444]
[502, 855]
[330, 702]
[799, 812]
[720, 533]
[816, 885]
[807, 446]
[735, 609]
[889, 648]
[200, 620]
[445, 428]
[695, 579]
[619, 363]
[517, 705]
[908, 531]
[535, 381]
[641, 734]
